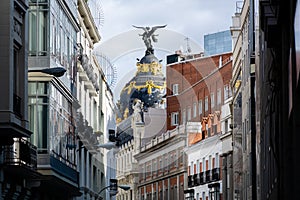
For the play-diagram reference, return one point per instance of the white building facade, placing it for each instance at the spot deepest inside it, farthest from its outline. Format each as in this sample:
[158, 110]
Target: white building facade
[95, 116]
[204, 168]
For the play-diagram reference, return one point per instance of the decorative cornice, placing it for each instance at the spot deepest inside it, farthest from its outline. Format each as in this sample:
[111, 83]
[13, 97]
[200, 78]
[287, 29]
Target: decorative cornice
[154, 67]
[149, 85]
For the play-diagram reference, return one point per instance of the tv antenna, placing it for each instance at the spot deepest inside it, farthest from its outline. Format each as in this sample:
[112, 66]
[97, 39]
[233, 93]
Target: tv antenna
[109, 70]
[188, 47]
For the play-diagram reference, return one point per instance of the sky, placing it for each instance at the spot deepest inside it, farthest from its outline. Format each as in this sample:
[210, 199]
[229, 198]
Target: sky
[191, 19]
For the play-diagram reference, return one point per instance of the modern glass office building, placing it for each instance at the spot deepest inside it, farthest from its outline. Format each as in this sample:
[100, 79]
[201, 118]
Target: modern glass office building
[217, 43]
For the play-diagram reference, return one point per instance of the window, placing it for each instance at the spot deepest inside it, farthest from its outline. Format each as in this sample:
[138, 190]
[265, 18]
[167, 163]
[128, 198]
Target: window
[175, 160]
[160, 165]
[183, 116]
[227, 92]
[217, 161]
[209, 163]
[206, 103]
[174, 118]
[200, 107]
[95, 114]
[175, 89]
[38, 17]
[219, 96]
[189, 113]
[154, 167]
[226, 125]
[212, 100]
[16, 78]
[194, 110]
[166, 166]
[198, 167]
[38, 104]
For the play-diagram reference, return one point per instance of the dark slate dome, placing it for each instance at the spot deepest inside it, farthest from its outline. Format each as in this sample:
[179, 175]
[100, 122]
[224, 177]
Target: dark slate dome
[149, 59]
[148, 85]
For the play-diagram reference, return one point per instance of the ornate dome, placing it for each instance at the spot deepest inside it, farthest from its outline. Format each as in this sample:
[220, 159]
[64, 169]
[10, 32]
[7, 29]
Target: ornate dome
[148, 85]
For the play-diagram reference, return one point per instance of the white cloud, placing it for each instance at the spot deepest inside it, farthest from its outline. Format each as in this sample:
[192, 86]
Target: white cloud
[192, 18]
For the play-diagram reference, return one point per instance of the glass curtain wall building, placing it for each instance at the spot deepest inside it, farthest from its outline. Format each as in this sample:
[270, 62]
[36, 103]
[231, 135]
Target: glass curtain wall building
[51, 116]
[52, 101]
[217, 43]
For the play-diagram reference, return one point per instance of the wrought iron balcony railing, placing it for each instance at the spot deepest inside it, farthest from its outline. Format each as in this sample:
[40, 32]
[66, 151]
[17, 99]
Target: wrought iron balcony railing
[196, 179]
[207, 176]
[21, 153]
[202, 178]
[215, 174]
[191, 181]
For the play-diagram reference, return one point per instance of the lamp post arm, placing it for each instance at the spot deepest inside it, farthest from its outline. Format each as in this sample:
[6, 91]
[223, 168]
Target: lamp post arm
[103, 189]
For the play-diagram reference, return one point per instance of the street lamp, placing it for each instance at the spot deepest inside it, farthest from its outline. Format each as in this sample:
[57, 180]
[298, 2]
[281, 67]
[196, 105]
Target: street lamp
[113, 186]
[55, 71]
[108, 145]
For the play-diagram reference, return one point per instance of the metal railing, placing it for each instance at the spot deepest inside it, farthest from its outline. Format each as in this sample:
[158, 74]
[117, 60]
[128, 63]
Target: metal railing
[204, 177]
[21, 153]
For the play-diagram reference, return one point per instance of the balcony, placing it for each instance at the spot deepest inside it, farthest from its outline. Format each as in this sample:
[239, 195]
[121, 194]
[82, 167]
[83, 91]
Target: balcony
[191, 181]
[215, 174]
[86, 73]
[21, 153]
[208, 176]
[202, 179]
[58, 164]
[63, 167]
[196, 179]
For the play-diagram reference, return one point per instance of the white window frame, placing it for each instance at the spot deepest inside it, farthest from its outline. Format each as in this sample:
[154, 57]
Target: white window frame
[219, 96]
[206, 104]
[200, 107]
[189, 113]
[183, 116]
[212, 100]
[175, 89]
[194, 110]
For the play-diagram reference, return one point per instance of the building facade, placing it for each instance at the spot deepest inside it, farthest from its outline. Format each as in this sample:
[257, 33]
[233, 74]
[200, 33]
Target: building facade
[53, 44]
[18, 156]
[161, 164]
[196, 90]
[226, 156]
[277, 88]
[96, 107]
[243, 86]
[216, 43]
[204, 167]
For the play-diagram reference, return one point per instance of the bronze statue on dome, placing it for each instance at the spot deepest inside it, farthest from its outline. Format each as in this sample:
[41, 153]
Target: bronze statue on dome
[148, 35]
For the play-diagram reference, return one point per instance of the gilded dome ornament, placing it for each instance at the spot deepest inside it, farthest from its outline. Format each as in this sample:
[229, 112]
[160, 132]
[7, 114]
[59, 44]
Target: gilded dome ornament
[148, 84]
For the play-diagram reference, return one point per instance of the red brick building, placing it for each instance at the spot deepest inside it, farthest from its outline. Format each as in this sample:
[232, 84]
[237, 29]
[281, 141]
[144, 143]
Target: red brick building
[196, 89]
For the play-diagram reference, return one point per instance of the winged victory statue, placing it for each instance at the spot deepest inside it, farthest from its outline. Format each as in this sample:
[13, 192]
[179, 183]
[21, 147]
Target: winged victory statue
[149, 35]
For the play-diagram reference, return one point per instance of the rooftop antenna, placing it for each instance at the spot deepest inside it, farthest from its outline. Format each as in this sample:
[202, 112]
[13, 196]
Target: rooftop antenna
[188, 47]
[97, 12]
